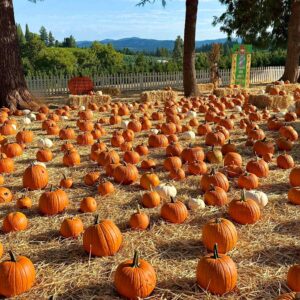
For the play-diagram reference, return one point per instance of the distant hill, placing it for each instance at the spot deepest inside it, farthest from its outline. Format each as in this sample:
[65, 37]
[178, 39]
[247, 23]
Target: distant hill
[150, 45]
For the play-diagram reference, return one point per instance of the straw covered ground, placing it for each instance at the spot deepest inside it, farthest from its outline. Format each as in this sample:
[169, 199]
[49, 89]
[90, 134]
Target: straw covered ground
[263, 253]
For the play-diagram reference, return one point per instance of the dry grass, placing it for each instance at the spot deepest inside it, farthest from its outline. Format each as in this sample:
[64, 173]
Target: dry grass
[263, 254]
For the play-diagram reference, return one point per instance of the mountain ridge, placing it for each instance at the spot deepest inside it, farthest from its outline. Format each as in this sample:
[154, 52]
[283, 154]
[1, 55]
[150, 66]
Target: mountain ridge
[140, 44]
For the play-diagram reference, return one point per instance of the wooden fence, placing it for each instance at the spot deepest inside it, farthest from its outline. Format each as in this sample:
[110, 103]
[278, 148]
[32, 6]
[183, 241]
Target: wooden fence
[52, 86]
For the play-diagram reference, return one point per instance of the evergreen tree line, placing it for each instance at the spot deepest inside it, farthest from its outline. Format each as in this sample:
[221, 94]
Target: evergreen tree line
[42, 54]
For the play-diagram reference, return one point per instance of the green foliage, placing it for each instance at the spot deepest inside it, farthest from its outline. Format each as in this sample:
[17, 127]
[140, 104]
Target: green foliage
[27, 33]
[21, 36]
[263, 23]
[69, 42]
[56, 60]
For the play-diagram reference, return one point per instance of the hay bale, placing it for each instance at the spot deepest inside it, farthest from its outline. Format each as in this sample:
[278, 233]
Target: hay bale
[159, 95]
[112, 91]
[205, 87]
[289, 88]
[79, 100]
[264, 100]
[222, 92]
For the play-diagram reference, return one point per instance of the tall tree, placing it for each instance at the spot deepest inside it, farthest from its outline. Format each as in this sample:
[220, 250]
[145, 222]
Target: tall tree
[21, 36]
[51, 39]
[178, 49]
[44, 35]
[13, 88]
[69, 42]
[189, 70]
[268, 24]
[27, 33]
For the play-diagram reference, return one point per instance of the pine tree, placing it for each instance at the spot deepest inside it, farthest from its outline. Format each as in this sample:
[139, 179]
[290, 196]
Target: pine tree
[27, 33]
[21, 37]
[178, 49]
[51, 39]
[44, 35]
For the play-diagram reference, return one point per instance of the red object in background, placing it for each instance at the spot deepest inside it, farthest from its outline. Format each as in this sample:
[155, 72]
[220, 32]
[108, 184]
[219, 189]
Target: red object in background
[81, 85]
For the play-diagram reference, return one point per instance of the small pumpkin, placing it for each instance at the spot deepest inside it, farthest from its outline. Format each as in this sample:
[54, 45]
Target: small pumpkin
[105, 188]
[216, 179]
[15, 221]
[88, 205]
[294, 195]
[166, 191]
[53, 202]
[125, 174]
[149, 181]
[294, 176]
[17, 275]
[217, 273]
[24, 202]
[220, 231]
[71, 227]
[215, 196]
[91, 178]
[174, 211]
[293, 278]
[5, 195]
[258, 196]
[35, 177]
[44, 155]
[139, 220]
[244, 211]
[285, 161]
[65, 182]
[195, 204]
[258, 167]
[151, 199]
[248, 181]
[103, 238]
[135, 279]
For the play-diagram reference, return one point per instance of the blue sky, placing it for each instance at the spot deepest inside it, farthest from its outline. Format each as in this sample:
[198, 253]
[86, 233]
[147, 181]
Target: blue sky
[100, 19]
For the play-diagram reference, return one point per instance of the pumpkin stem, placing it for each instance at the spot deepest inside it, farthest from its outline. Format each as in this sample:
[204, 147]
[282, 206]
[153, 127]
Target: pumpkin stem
[12, 256]
[172, 199]
[135, 262]
[212, 172]
[229, 142]
[97, 220]
[218, 220]
[216, 254]
[243, 195]
[138, 209]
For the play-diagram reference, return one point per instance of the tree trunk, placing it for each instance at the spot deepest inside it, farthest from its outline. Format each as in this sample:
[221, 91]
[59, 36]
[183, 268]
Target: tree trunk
[189, 71]
[13, 88]
[291, 71]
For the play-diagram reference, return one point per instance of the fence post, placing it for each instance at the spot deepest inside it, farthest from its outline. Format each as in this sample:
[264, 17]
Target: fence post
[141, 81]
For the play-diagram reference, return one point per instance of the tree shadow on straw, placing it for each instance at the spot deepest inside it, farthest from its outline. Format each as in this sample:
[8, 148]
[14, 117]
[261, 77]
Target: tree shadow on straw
[271, 288]
[277, 256]
[290, 227]
[179, 286]
[276, 188]
[72, 253]
[99, 290]
[181, 249]
[46, 236]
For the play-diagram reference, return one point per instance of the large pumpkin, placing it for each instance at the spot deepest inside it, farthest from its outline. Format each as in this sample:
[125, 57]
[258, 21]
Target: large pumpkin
[295, 177]
[135, 279]
[220, 231]
[103, 238]
[217, 273]
[174, 211]
[215, 179]
[17, 276]
[53, 202]
[15, 221]
[125, 174]
[80, 85]
[35, 177]
[293, 278]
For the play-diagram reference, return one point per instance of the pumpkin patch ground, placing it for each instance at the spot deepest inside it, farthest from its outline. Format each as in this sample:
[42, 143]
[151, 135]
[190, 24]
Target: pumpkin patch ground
[100, 215]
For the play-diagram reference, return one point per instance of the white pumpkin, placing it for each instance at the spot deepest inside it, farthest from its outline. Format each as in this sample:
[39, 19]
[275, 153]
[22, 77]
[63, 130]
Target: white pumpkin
[196, 203]
[238, 109]
[40, 164]
[191, 114]
[82, 108]
[32, 116]
[179, 109]
[99, 93]
[258, 196]
[45, 143]
[166, 191]
[64, 117]
[292, 108]
[188, 135]
[26, 111]
[281, 114]
[124, 124]
[155, 131]
[130, 106]
[14, 126]
[26, 120]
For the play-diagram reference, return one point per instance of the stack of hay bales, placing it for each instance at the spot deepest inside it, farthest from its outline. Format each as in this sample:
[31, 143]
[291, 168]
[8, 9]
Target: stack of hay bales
[159, 95]
[205, 87]
[227, 91]
[112, 91]
[270, 101]
[78, 100]
[289, 88]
